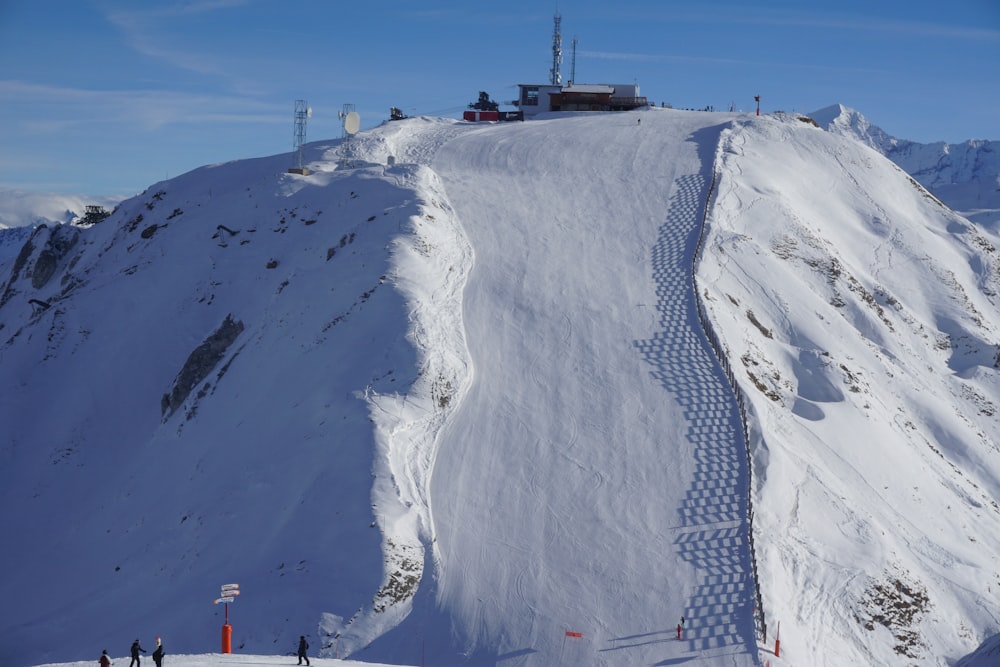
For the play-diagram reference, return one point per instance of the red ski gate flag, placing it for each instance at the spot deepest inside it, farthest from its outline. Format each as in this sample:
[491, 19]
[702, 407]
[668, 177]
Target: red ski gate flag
[574, 634]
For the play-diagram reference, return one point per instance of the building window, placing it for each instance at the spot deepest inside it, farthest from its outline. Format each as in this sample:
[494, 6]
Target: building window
[529, 96]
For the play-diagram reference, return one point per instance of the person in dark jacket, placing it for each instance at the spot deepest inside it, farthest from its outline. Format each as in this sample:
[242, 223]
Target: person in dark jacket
[303, 646]
[135, 654]
[158, 653]
[105, 660]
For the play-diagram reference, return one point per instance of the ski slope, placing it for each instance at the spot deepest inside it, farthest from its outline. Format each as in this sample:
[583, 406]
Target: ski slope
[620, 454]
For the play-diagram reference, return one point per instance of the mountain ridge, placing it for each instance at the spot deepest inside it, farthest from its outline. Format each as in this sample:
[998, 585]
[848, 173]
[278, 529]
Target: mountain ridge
[435, 356]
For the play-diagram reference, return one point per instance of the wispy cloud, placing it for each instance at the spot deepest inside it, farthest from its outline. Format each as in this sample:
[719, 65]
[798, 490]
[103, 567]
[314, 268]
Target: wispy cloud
[143, 32]
[706, 60]
[656, 57]
[144, 109]
[739, 15]
[905, 28]
[472, 17]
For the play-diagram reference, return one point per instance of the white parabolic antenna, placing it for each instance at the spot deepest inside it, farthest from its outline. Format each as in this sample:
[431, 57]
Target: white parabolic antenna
[352, 123]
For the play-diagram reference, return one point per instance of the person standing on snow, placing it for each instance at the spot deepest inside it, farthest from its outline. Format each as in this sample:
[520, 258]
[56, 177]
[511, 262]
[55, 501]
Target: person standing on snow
[158, 653]
[105, 660]
[135, 654]
[303, 646]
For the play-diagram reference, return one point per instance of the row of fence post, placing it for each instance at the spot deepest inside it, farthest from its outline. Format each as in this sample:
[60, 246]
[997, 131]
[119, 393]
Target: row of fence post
[717, 347]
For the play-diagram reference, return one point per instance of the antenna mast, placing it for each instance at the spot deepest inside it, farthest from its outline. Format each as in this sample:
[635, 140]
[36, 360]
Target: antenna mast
[351, 124]
[555, 74]
[302, 113]
[572, 67]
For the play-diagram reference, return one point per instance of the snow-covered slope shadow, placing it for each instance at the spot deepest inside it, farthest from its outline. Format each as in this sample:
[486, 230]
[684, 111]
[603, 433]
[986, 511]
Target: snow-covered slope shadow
[713, 513]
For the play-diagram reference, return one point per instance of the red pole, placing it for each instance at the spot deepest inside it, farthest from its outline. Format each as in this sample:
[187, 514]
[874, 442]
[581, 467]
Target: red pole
[777, 641]
[227, 638]
[227, 634]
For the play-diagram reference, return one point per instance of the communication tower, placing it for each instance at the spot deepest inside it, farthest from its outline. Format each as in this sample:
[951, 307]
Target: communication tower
[351, 123]
[555, 73]
[302, 114]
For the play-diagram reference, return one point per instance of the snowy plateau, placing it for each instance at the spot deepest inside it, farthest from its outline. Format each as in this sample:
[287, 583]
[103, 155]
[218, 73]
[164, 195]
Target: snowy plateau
[516, 394]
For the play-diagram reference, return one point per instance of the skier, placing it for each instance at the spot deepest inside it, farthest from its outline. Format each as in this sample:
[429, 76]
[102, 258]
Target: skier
[105, 660]
[158, 653]
[135, 654]
[303, 645]
[679, 629]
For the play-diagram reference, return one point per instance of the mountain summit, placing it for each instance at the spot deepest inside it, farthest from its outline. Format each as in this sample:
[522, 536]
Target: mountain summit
[966, 176]
[518, 393]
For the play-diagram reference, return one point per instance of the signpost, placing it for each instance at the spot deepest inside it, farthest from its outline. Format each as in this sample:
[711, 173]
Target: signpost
[228, 594]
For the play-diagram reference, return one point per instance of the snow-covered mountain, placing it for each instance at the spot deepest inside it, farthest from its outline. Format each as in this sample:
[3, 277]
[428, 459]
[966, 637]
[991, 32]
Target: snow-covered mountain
[20, 208]
[964, 176]
[518, 394]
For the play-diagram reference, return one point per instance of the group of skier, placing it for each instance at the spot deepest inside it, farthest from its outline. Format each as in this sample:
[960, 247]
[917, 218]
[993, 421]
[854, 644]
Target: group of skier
[136, 649]
[158, 654]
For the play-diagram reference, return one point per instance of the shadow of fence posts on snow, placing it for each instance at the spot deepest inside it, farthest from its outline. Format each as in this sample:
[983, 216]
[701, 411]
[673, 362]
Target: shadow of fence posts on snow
[720, 354]
[687, 358]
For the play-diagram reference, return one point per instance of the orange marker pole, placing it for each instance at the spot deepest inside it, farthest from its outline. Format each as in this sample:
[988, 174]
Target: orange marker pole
[227, 638]
[777, 641]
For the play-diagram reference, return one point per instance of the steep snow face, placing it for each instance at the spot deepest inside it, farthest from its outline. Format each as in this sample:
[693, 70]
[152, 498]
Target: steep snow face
[862, 319]
[131, 509]
[965, 176]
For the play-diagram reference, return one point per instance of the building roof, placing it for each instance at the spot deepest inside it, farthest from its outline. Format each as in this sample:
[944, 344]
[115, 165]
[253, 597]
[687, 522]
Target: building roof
[592, 89]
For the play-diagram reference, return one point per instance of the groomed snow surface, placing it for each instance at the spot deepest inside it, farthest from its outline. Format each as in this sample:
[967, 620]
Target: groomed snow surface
[472, 413]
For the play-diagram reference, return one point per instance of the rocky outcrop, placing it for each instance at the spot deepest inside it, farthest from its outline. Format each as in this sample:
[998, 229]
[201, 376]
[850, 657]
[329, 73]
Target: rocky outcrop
[199, 364]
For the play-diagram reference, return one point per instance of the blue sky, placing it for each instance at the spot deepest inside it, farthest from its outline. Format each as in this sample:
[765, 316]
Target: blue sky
[107, 97]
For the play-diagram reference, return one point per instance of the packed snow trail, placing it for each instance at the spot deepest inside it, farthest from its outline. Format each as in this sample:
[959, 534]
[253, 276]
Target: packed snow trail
[606, 519]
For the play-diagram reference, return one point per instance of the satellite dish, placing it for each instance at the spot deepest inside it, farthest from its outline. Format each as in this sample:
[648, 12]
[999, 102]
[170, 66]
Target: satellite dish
[309, 112]
[352, 123]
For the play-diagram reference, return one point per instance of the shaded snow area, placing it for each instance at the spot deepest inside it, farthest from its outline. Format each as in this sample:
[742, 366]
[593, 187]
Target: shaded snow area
[509, 394]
